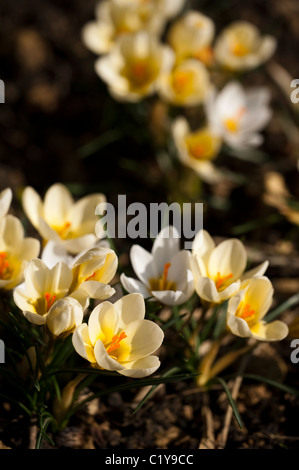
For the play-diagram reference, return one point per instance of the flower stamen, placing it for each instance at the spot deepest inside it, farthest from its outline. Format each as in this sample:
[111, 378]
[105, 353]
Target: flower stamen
[4, 266]
[115, 343]
[50, 299]
[221, 281]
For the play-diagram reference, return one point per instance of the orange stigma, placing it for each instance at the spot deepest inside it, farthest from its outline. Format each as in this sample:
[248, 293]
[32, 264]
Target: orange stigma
[246, 313]
[50, 299]
[63, 230]
[91, 277]
[221, 281]
[4, 266]
[115, 343]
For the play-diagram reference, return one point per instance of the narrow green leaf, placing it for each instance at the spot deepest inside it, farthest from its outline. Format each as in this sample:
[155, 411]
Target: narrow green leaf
[221, 321]
[231, 401]
[273, 383]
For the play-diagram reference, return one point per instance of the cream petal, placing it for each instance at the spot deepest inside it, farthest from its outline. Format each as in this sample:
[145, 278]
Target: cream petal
[206, 289]
[229, 257]
[57, 203]
[256, 272]
[259, 295]
[97, 290]
[144, 337]
[179, 268]
[104, 360]
[76, 245]
[134, 286]
[97, 37]
[82, 344]
[165, 246]
[29, 248]
[22, 300]
[36, 278]
[238, 326]
[143, 264]
[59, 279]
[32, 205]
[82, 215]
[273, 331]
[103, 322]
[141, 368]
[64, 315]
[131, 307]
[203, 243]
[170, 297]
[35, 318]
[54, 253]
[11, 233]
[47, 232]
[5, 201]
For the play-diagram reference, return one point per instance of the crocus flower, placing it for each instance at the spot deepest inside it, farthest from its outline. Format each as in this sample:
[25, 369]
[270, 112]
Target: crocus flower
[187, 84]
[5, 201]
[241, 47]
[64, 316]
[164, 273]
[247, 309]
[16, 251]
[197, 149]
[118, 17]
[238, 115]
[219, 270]
[191, 36]
[61, 219]
[118, 338]
[132, 68]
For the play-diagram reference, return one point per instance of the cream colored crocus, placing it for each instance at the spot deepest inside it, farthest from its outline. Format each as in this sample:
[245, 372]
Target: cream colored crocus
[219, 270]
[187, 84]
[197, 149]
[241, 47]
[92, 271]
[191, 36]
[61, 219]
[247, 309]
[16, 251]
[164, 274]
[115, 18]
[118, 338]
[41, 289]
[238, 115]
[5, 201]
[132, 69]
[64, 316]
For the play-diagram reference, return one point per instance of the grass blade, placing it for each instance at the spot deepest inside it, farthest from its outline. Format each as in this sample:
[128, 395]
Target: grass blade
[231, 401]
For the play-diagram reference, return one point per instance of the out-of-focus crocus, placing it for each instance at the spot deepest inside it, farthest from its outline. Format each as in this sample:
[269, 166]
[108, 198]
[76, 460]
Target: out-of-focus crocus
[238, 115]
[5, 201]
[132, 69]
[187, 84]
[118, 338]
[197, 149]
[247, 309]
[164, 273]
[191, 36]
[16, 251]
[219, 270]
[241, 47]
[61, 219]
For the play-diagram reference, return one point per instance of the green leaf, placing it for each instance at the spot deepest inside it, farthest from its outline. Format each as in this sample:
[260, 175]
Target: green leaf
[273, 383]
[231, 401]
[221, 321]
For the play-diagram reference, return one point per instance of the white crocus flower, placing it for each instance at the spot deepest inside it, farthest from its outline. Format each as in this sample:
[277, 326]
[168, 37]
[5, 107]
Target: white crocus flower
[164, 273]
[241, 47]
[132, 69]
[61, 219]
[247, 309]
[16, 251]
[187, 84]
[238, 115]
[197, 149]
[191, 36]
[5, 201]
[219, 270]
[117, 17]
[118, 338]
[64, 316]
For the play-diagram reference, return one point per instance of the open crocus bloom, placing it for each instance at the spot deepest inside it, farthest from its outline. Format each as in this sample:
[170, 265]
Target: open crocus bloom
[187, 84]
[247, 309]
[237, 115]
[61, 219]
[41, 289]
[117, 17]
[191, 36]
[164, 273]
[15, 252]
[118, 338]
[5, 201]
[197, 149]
[241, 47]
[219, 270]
[133, 67]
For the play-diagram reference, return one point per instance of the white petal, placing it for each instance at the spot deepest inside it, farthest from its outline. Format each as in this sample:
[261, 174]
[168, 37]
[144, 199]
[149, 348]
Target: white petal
[35, 318]
[229, 257]
[170, 297]
[238, 326]
[143, 264]
[255, 272]
[273, 331]
[82, 344]
[133, 285]
[104, 360]
[145, 337]
[131, 307]
[141, 368]
[165, 246]
[57, 203]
